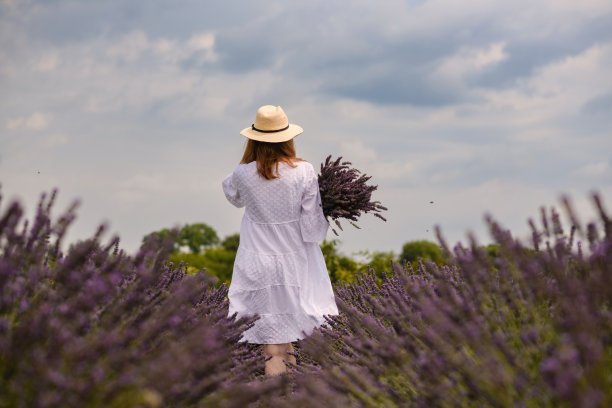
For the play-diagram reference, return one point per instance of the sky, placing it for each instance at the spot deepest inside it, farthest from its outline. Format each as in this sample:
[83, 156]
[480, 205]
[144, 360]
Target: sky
[456, 109]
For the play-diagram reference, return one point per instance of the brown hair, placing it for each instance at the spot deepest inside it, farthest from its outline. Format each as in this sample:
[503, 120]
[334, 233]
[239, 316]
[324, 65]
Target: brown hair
[268, 155]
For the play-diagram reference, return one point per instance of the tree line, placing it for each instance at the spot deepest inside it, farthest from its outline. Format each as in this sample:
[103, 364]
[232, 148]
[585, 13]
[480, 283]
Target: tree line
[200, 248]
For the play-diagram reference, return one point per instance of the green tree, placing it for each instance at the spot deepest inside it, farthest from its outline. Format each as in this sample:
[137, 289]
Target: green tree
[231, 242]
[379, 261]
[413, 250]
[220, 263]
[197, 237]
[340, 267]
[158, 238]
[217, 260]
[493, 250]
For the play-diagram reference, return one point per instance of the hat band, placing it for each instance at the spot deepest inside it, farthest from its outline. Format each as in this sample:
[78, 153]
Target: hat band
[268, 131]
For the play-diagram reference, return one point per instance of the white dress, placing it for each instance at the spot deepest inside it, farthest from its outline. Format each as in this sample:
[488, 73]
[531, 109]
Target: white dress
[279, 272]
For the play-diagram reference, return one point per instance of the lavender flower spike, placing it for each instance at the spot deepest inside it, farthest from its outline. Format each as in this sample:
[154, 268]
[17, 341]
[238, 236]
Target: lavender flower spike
[345, 194]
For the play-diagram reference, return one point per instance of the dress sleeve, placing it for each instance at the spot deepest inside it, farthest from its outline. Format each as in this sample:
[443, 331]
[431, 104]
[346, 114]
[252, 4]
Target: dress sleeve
[313, 224]
[231, 192]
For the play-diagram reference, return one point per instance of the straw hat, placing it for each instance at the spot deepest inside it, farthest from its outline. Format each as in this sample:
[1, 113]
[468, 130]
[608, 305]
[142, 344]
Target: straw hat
[272, 126]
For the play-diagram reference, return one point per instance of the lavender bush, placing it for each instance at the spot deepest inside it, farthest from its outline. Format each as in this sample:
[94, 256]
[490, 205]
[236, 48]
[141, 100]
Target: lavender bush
[97, 328]
[345, 194]
[531, 327]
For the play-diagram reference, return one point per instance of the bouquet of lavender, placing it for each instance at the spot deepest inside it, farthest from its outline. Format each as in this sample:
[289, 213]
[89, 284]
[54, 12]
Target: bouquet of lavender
[345, 194]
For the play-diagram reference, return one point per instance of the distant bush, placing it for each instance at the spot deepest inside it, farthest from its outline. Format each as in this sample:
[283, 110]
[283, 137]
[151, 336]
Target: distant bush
[340, 267]
[218, 262]
[492, 250]
[380, 263]
[231, 242]
[414, 250]
[195, 237]
[205, 250]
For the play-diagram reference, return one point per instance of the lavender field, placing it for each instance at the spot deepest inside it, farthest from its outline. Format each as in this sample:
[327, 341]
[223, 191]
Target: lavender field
[95, 327]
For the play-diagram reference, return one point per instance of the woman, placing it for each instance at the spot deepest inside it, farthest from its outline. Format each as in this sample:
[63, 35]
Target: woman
[279, 272]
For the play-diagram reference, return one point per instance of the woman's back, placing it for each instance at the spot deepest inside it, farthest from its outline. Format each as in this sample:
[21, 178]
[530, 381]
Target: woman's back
[273, 201]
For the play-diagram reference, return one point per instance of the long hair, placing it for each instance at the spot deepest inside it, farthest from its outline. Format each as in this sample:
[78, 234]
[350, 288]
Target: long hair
[268, 155]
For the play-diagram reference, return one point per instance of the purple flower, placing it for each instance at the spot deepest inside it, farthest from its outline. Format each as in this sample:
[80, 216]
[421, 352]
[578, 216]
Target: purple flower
[345, 194]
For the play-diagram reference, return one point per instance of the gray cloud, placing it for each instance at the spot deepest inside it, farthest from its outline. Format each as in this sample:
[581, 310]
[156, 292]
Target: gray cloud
[136, 108]
[599, 105]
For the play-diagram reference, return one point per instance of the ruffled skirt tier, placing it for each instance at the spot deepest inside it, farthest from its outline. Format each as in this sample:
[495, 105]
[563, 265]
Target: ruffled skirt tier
[283, 280]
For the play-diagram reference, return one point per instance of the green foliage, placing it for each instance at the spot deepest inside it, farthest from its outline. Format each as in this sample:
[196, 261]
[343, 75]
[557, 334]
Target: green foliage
[413, 250]
[340, 267]
[156, 238]
[218, 262]
[197, 237]
[493, 250]
[344, 268]
[206, 251]
[379, 261]
[231, 242]
[217, 256]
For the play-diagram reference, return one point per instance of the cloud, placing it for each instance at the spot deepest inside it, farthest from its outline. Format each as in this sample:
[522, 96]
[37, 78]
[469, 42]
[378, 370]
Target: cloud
[137, 46]
[468, 61]
[55, 140]
[601, 104]
[140, 187]
[204, 43]
[134, 72]
[470, 106]
[357, 150]
[48, 62]
[559, 89]
[594, 169]
[36, 121]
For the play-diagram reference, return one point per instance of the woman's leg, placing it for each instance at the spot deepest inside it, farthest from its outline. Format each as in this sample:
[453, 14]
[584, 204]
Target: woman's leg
[290, 357]
[275, 364]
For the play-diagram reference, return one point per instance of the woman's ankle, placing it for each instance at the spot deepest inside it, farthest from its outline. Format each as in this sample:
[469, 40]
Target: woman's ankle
[275, 365]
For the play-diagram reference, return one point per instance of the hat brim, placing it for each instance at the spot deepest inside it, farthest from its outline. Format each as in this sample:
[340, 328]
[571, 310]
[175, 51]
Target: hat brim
[275, 137]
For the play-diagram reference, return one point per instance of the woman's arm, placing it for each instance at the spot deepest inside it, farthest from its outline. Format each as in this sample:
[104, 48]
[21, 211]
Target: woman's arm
[313, 224]
[231, 191]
